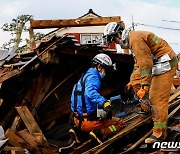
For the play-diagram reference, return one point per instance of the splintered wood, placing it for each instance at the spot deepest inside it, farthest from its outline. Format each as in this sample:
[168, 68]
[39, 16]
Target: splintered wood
[31, 138]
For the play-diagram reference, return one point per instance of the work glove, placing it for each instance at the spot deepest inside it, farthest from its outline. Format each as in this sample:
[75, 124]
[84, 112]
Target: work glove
[108, 109]
[128, 87]
[143, 90]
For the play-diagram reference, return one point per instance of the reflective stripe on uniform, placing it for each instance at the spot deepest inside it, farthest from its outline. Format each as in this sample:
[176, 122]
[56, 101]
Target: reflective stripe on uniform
[173, 62]
[135, 68]
[160, 125]
[146, 72]
[112, 128]
[155, 39]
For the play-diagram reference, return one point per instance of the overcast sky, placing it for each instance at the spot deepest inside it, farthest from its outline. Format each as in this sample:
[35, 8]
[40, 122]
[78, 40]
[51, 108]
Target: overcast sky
[148, 12]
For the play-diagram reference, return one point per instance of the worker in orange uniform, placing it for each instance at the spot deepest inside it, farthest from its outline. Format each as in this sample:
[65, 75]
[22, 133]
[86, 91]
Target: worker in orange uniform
[86, 100]
[155, 66]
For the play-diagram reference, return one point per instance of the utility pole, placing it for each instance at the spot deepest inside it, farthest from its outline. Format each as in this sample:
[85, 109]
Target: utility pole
[132, 23]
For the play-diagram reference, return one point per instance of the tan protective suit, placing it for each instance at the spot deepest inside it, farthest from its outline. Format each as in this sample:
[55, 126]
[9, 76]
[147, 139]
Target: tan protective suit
[144, 45]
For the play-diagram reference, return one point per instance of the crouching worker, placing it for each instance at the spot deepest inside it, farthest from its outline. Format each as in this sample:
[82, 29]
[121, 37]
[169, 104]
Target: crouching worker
[86, 99]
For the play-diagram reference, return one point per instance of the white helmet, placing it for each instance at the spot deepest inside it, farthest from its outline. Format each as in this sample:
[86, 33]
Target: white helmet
[111, 30]
[125, 39]
[104, 60]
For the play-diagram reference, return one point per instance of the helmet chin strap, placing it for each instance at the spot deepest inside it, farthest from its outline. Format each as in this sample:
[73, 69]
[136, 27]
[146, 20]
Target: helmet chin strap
[119, 33]
[99, 69]
[118, 37]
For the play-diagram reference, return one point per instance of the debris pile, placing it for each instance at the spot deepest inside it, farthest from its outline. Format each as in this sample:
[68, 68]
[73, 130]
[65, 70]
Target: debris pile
[35, 93]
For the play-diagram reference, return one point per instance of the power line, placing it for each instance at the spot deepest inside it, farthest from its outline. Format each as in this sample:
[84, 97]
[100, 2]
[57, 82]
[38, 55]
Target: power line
[171, 21]
[174, 43]
[158, 27]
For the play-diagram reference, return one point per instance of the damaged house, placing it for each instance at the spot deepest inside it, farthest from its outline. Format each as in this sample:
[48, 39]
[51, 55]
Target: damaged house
[36, 87]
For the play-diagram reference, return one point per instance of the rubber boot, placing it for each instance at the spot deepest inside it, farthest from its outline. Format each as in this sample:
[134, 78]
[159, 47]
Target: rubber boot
[96, 135]
[74, 135]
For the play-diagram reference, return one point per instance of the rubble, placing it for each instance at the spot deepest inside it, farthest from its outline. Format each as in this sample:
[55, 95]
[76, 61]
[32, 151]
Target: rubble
[35, 94]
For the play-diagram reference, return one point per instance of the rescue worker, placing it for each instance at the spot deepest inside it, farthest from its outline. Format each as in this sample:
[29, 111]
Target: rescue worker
[86, 99]
[155, 66]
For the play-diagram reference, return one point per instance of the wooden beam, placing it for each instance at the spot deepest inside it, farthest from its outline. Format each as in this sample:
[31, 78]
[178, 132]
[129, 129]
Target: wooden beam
[98, 21]
[15, 123]
[14, 138]
[29, 138]
[30, 122]
[9, 148]
[28, 119]
[91, 53]
[174, 96]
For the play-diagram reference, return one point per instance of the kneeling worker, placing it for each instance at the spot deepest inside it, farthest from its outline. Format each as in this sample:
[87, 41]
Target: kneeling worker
[86, 99]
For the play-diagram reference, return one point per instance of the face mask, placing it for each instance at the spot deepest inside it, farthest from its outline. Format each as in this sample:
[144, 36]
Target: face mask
[102, 74]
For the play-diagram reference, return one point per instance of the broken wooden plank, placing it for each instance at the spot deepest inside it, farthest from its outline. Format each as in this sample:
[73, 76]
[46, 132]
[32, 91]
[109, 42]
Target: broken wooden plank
[29, 138]
[29, 121]
[174, 111]
[15, 123]
[39, 137]
[17, 151]
[9, 148]
[31, 97]
[14, 138]
[174, 103]
[174, 96]
[97, 21]
[40, 54]
[8, 74]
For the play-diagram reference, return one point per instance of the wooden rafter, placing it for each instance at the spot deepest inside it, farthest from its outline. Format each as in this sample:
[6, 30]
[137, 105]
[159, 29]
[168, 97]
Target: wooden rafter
[39, 24]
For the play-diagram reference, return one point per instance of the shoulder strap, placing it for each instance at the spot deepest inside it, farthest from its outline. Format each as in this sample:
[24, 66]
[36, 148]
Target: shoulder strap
[77, 92]
[82, 93]
[75, 98]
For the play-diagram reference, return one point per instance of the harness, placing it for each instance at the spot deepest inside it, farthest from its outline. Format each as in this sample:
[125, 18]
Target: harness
[92, 116]
[81, 93]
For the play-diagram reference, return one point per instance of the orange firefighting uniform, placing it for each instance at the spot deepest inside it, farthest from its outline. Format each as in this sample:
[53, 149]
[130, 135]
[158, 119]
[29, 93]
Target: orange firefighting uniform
[105, 126]
[145, 44]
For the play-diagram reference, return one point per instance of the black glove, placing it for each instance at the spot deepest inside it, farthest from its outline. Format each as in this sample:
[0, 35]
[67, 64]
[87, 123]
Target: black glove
[108, 109]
